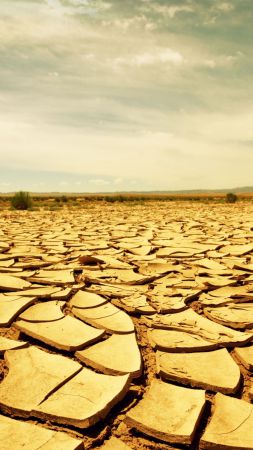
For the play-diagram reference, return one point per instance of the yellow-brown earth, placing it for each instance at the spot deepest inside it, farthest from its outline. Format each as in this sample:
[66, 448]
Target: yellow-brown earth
[178, 275]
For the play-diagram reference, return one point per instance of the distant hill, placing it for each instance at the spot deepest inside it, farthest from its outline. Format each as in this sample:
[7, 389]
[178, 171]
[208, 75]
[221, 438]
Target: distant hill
[237, 190]
[243, 189]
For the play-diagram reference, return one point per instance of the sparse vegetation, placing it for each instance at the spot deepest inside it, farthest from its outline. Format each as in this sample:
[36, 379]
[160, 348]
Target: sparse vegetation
[54, 208]
[22, 201]
[231, 197]
[44, 201]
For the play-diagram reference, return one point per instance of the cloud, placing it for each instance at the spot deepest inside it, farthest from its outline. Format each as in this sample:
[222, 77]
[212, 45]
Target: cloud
[167, 11]
[164, 56]
[158, 56]
[210, 63]
[118, 180]
[135, 22]
[223, 60]
[79, 2]
[99, 182]
[225, 7]
[72, 7]
[146, 92]
[172, 11]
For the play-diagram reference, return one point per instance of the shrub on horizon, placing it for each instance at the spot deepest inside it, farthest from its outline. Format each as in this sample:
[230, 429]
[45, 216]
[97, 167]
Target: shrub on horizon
[231, 197]
[22, 201]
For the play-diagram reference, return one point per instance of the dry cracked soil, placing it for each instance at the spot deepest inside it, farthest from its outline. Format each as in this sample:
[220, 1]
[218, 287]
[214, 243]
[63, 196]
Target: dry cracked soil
[127, 327]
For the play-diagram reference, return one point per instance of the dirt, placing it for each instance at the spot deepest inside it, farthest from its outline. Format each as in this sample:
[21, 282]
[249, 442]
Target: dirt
[229, 223]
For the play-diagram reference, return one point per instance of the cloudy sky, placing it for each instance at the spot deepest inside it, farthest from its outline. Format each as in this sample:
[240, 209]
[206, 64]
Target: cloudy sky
[115, 95]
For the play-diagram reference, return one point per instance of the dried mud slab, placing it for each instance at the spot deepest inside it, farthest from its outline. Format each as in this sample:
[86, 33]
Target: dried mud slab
[65, 334]
[44, 312]
[106, 316]
[5, 264]
[84, 400]
[117, 276]
[189, 321]
[214, 282]
[141, 251]
[236, 293]
[156, 267]
[177, 252]
[167, 412]
[4, 246]
[10, 344]
[237, 250]
[178, 341]
[55, 277]
[245, 356]
[238, 316]
[32, 375]
[112, 290]
[210, 264]
[167, 305]
[62, 294]
[231, 425]
[117, 355]
[84, 299]
[135, 304]
[244, 267]
[42, 291]
[215, 370]
[10, 283]
[25, 436]
[114, 444]
[12, 306]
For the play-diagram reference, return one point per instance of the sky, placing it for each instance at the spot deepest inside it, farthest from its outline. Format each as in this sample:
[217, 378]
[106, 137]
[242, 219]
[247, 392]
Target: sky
[125, 95]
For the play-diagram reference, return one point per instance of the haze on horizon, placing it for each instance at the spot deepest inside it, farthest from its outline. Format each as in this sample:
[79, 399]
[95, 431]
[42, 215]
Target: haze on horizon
[111, 95]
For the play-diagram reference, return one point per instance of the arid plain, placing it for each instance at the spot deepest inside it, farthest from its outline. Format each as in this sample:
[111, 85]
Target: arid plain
[127, 326]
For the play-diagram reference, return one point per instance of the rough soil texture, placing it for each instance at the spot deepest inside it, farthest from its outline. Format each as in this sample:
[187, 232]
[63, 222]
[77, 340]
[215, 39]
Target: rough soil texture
[146, 259]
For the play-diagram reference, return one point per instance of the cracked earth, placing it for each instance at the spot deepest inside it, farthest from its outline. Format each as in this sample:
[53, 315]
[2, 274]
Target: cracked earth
[127, 327]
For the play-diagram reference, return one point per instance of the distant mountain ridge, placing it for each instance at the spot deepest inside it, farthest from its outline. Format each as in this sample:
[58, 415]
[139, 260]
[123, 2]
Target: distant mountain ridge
[244, 189]
[237, 190]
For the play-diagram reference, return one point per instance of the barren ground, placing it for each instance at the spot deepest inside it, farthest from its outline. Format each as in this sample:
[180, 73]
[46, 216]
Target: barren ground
[151, 261]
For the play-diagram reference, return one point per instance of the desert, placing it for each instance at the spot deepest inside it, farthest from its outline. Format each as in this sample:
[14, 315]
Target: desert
[122, 326]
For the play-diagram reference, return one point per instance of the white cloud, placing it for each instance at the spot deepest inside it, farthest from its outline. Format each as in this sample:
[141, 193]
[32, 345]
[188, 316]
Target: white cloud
[210, 63]
[88, 57]
[225, 7]
[164, 56]
[168, 11]
[78, 6]
[53, 74]
[135, 22]
[99, 181]
[220, 61]
[118, 180]
[173, 10]
[79, 2]
[159, 56]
